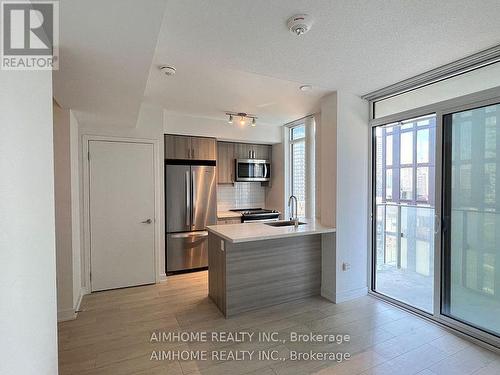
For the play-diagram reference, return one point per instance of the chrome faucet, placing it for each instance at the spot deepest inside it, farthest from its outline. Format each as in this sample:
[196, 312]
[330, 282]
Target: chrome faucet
[295, 218]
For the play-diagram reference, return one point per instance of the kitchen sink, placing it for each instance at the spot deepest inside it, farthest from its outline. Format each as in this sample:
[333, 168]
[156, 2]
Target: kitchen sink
[288, 223]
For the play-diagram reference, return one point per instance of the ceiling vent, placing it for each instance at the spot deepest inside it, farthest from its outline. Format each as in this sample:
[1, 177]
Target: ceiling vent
[300, 24]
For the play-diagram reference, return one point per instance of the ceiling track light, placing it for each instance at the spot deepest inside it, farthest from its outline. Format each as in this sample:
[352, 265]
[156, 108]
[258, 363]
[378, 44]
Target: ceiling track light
[243, 118]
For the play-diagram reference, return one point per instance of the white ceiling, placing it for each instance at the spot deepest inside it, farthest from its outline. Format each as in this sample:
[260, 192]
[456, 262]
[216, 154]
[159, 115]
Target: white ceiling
[106, 48]
[238, 55]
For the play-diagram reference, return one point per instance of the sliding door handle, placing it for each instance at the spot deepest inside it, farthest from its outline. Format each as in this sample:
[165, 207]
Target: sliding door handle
[148, 221]
[437, 224]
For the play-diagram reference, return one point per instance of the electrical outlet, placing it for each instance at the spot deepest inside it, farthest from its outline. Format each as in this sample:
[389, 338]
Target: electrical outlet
[346, 266]
[222, 245]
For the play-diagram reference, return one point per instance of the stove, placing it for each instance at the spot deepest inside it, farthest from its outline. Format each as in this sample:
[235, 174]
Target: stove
[257, 214]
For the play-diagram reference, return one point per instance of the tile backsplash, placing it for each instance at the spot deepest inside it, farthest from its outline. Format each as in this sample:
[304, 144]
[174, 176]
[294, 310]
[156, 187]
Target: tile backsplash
[240, 195]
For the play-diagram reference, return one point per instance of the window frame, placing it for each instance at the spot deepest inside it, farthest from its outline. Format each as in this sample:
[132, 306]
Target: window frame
[291, 143]
[309, 160]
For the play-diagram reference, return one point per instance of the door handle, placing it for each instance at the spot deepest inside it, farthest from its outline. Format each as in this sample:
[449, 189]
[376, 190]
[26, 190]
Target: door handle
[193, 197]
[188, 199]
[148, 221]
[190, 235]
[437, 224]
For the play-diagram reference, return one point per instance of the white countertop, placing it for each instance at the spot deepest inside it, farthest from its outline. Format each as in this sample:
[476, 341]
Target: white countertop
[246, 232]
[228, 214]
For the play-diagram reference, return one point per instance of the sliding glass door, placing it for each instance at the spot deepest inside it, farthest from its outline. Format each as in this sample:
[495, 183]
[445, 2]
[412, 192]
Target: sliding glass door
[436, 212]
[471, 213]
[404, 210]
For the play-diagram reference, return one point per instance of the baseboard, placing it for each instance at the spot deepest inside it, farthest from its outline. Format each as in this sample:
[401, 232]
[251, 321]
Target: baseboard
[343, 296]
[350, 294]
[163, 277]
[83, 292]
[65, 315]
[328, 294]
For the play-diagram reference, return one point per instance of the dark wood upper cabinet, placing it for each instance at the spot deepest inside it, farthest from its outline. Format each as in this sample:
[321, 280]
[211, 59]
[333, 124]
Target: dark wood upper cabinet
[203, 148]
[185, 147]
[253, 151]
[225, 162]
[228, 152]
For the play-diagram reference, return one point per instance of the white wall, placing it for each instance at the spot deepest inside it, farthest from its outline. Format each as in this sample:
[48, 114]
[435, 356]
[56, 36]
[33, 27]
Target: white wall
[63, 216]
[343, 149]
[28, 326]
[317, 156]
[326, 132]
[275, 193]
[176, 123]
[352, 196]
[328, 156]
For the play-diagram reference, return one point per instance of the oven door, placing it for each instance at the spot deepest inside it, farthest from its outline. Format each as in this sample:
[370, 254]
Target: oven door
[253, 170]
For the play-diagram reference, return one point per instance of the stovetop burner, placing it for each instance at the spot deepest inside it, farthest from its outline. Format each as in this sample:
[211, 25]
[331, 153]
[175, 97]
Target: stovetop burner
[253, 211]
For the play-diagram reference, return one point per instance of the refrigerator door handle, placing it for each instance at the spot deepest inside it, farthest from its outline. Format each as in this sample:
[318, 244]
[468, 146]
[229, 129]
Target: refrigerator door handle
[265, 170]
[193, 196]
[190, 235]
[188, 199]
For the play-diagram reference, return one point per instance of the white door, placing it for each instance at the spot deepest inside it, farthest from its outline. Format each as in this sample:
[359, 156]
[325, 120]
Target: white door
[122, 207]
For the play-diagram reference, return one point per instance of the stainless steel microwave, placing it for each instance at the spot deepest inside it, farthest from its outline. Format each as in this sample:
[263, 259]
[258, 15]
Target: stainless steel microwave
[253, 170]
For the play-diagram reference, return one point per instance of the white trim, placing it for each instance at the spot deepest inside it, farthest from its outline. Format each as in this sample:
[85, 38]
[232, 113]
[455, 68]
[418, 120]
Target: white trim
[65, 315]
[309, 141]
[328, 294]
[83, 291]
[461, 66]
[286, 169]
[351, 294]
[298, 121]
[163, 277]
[86, 138]
[343, 296]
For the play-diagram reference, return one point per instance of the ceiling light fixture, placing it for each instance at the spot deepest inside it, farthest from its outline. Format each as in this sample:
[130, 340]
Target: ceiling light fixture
[243, 118]
[305, 88]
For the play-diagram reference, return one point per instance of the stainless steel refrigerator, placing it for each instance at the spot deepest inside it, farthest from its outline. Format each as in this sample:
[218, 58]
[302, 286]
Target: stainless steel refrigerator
[191, 205]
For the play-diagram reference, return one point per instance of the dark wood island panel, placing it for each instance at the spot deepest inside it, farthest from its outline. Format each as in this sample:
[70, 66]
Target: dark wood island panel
[250, 275]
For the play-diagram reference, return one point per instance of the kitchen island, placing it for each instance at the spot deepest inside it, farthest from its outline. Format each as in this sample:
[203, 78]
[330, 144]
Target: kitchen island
[253, 265]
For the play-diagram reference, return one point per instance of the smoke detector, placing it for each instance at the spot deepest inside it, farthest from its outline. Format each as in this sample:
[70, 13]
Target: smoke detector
[167, 70]
[300, 24]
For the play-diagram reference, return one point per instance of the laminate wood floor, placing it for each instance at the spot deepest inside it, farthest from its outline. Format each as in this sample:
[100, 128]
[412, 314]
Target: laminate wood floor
[112, 335]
